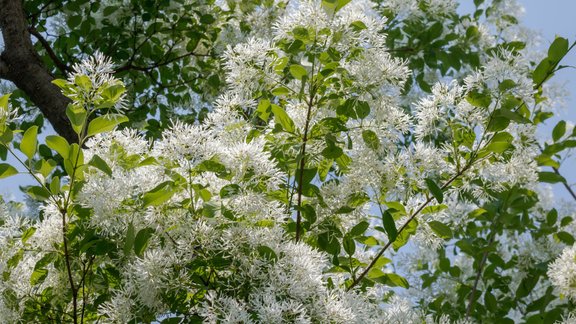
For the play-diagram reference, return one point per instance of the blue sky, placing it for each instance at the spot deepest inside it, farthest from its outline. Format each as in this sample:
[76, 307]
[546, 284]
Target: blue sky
[549, 18]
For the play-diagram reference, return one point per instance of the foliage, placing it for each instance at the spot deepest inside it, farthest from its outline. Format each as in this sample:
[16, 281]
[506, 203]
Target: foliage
[366, 162]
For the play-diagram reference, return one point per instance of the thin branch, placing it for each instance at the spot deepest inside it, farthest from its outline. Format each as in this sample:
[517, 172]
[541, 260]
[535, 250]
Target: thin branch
[85, 270]
[404, 226]
[472, 299]
[34, 16]
[566, 185]
[557, 171]
[69, 268]
[302, 166]
[59, 64]
[130, 66]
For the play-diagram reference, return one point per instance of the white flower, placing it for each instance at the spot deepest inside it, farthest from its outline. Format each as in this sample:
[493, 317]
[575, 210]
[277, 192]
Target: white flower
[248, 65]
[562, 272]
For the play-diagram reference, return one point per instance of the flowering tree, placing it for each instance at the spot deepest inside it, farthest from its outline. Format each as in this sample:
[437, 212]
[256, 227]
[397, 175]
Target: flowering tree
[366, 162]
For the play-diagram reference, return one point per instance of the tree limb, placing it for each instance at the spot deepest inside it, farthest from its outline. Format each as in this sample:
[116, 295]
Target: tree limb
[566, 185]
[130, 66]
[59, 64]
[20, 64]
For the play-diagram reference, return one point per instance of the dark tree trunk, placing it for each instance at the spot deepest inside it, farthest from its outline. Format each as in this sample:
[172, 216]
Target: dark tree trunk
[20, 64]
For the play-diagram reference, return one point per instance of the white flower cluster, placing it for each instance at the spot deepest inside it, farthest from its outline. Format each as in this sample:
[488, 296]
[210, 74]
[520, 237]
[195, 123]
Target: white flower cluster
[562, 272]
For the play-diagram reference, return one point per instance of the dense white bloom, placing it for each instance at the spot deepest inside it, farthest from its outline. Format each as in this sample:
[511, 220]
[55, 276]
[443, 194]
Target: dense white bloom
[248, 65]
[562, 272]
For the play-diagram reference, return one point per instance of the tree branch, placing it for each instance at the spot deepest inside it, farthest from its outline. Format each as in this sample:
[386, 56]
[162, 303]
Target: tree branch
[59, 64]
[22, 65]
[130, 66]
[472, 298]
[403, 227]
[566, 185]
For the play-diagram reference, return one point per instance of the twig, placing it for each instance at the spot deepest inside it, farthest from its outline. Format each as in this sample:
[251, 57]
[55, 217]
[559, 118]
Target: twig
[59, 64]
[401, 229]
[130, 66]
[566, 185]
[472, 299]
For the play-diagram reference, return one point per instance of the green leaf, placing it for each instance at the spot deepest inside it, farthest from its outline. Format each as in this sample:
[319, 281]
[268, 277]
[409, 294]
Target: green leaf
[498, 144]
[267, 252]
[527, 284]
[100, 164]
[565, 238]
[565, 221]
[83, 81]
[490, 302]
[105, 123]
[159, 194]
[552, 217]
[141, 241]
[38, 193]
[6, 170]
[435, 190]
[282, 118]
[559, 130]
[357, 199]
[440, 229]
[61, 83]
[389, 225]
[359, 229]
[111, 95]
[280, 91]
[301, 34]
[403, 237]
[29, 142]
[6, 136]
[4, 102]
[74, 21]
[479, 99]
[354, 108]
[130, 237]
[55, 185]
[298, 71]
[433, 209]
[58, 144]
[324, 168]
[349, 245]
[558, 49]
[545, 160]
[28, 234]
[371, 139]
[230, 190]
[333, 6]
[550, 177]
[358, 25]
[362, 109]
[332, 151]
[38, 276]
[506, 85]
[77, 117]
[498, 123]
[263, 110]
[397, 206]
[541, 73]
[388, 279]
[45, 260]
[45, 167]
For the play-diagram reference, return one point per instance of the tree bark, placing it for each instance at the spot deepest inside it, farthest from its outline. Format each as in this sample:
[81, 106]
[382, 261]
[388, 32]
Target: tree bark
[20, 64]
